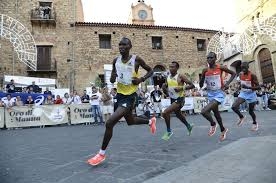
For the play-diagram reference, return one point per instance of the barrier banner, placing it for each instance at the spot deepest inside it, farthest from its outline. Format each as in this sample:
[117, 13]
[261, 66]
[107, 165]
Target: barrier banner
[37, 97]
[81, 113]
[189, 104]
[199, 103]
[2, 117]
[165, 103]
[227, 103]
[36, 115]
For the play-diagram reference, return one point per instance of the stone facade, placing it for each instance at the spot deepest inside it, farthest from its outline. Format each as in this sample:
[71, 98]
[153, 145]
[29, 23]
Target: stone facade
[76, 57]
[247, 12]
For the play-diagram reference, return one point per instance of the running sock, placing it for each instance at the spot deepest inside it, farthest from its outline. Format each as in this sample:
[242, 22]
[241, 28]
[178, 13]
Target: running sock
[102, 152]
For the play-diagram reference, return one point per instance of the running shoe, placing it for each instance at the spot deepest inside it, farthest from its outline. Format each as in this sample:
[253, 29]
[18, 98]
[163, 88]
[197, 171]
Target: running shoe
[212, 130]
[153, 125]
[241, 120]
[97, 159]
[167, 136]
[255, 127]
[223, 135]
[190, 129]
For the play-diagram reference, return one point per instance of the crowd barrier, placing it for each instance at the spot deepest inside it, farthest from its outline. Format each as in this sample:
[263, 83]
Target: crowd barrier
[37, 97]
[25, 116]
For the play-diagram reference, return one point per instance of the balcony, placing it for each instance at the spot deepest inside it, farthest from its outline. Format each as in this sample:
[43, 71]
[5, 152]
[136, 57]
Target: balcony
[45, 68]
[42, 15]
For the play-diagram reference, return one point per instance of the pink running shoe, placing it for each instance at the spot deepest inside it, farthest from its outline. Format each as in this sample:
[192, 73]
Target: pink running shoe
[241, 121]
[153, 125]
[255, 127]
[212, 130]
[223, 135]
[97, 159]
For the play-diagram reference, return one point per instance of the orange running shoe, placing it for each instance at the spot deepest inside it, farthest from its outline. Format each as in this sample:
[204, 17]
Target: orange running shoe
[153, 125]
[255, 127]
[97, 159]
[241, 121]
[212, 130]
[223, 135]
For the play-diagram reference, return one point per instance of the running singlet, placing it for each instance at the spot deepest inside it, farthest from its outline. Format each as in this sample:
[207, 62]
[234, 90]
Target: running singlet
[125, 72]
[246, 80]
[213, 78]
[172, 84]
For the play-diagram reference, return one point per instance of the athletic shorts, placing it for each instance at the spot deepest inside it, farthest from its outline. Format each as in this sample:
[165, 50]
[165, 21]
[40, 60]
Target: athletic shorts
[250, 97]
[127, 101]
[179, 100]
[217, 95]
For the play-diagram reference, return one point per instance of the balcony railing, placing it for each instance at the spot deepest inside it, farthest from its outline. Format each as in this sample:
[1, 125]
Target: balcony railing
[42, 15]
[51, 67]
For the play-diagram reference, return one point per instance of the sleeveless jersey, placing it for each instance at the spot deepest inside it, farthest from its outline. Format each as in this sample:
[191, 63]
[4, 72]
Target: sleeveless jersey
[246, 80]
[125, 72]
[172, 83]
[213, 78]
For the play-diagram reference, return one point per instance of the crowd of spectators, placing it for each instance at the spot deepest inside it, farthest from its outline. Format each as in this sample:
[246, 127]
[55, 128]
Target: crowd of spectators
[103, 100]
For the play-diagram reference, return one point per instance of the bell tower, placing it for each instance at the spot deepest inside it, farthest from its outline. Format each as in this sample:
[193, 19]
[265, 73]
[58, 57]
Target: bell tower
[141, 14]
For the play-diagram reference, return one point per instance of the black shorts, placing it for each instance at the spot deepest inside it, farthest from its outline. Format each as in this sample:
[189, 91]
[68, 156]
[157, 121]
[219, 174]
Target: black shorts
[127, 101]
[179, 100]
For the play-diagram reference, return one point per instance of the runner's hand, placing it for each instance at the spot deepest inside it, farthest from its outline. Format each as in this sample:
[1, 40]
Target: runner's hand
[136, 81]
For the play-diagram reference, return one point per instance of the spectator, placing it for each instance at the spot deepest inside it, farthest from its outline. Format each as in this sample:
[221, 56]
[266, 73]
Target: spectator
[76, 98]
[66, 99]
[10, 87]
[49, 100]
[155, 97]
[18, 101]
[47, 91]
[85, 97]
[58, 100]
[95, 103]
[46, 12]
[25, 90]
[9, 102]
[2, 104]
[29, 101]
[34, 86]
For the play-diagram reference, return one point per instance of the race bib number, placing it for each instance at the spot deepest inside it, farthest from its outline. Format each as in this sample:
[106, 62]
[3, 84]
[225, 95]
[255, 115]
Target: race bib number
[125, 74]
[213, 82]
[246, 83]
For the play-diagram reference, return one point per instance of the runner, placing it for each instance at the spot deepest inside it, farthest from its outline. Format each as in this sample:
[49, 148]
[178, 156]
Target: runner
[212, 76]
[249, 84]
[175, 89]
[124, 66]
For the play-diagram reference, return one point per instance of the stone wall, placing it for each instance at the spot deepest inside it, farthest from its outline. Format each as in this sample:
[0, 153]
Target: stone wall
[80, 44]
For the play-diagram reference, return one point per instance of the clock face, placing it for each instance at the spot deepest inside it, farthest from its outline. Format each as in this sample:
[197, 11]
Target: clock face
[142, 14]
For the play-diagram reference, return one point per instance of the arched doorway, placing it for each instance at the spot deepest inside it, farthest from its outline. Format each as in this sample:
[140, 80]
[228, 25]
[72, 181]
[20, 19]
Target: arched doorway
[266, 66]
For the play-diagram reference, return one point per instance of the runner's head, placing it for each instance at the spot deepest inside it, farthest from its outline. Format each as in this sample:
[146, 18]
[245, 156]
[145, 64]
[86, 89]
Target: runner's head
[245, 67]
[174, 66]
[124, 46]
[211, 58]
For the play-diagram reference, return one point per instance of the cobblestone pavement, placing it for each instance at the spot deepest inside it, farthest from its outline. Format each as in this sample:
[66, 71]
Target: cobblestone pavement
[59, 154]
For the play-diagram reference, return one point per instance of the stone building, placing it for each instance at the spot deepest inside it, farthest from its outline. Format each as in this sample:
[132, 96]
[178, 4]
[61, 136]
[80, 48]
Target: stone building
[259, 14]
[74, 52]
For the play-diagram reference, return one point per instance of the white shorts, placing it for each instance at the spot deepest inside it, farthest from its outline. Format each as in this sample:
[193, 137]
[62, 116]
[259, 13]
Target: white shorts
[107, 109]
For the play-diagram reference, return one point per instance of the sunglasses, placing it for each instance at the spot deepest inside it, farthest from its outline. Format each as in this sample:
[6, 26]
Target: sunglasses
[210, 57]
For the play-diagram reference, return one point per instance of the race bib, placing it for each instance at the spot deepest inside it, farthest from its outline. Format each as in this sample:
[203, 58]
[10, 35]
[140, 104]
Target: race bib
[213, 82]
[172, 93]
[124, 73]
[246, 83]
